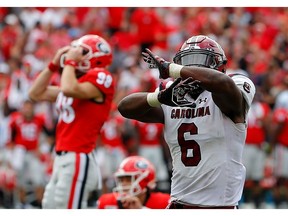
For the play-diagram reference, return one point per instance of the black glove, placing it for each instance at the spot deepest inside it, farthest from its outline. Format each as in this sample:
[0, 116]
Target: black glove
[176, 93]
[155, 61]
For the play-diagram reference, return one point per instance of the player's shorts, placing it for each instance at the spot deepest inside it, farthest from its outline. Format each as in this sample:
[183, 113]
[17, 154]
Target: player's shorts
[155, 155]
[28, 167]
[254, 162]
[74, 176]
[281, 161]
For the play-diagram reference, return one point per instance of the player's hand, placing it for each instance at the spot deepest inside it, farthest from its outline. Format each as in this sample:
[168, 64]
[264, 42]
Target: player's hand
[59, 53]
[155, 61]
[175, 94]
[131, 202]
[75, 54]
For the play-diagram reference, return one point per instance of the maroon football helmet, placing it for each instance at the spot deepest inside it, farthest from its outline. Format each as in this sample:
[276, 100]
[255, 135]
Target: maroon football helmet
[201, 51]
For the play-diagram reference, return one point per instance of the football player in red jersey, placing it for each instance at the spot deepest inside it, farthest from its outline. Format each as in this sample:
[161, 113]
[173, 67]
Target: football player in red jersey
[83, 101]
[204, 111]
[151, 145]
[135, 181]
[254, 155]
[26, 127]
[111, 149]
[279, 140]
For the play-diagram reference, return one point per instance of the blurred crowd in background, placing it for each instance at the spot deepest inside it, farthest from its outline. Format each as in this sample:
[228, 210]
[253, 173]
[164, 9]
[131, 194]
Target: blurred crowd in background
[255, 41]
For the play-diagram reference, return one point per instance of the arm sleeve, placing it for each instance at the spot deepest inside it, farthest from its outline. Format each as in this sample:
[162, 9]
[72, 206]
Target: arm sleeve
[102, 79]
[246, 86]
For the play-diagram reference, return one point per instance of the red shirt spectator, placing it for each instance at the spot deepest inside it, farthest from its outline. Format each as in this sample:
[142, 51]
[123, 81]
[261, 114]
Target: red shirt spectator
[280, 116]
[146, 21]
[111, 135]
[149, 133]
[155, 200]
[26, 132]
[257, 115]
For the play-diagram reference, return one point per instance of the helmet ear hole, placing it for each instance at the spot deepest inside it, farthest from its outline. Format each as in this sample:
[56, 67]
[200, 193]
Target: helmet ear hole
[85, 51]
[98, 63]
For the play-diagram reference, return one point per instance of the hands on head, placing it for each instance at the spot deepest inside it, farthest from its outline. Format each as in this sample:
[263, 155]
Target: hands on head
[131, 202]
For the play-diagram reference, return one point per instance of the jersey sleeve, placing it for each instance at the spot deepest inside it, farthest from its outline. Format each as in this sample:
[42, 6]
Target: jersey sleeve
[99, 204]
[102, 79]
[107, 201]
[246, 86]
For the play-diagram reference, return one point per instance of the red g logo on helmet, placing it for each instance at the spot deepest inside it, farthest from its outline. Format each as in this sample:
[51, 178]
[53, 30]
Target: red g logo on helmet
[201, 51]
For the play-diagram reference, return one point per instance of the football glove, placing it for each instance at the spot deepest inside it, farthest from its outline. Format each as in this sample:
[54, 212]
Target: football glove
[177, 94]
[155, 61]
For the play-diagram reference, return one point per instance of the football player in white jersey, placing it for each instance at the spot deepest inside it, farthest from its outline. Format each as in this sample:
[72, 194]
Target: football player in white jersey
[204, 112]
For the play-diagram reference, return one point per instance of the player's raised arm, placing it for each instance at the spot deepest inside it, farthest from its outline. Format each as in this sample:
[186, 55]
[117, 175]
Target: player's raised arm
[204, 60]
[145, 106]
[40, 89]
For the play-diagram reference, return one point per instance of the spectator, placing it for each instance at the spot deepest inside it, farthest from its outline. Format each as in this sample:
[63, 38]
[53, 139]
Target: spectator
[26, 128]
[254, 154]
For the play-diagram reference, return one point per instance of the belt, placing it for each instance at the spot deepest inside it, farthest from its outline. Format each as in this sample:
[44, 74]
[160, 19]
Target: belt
[175, 205]
[60, 153]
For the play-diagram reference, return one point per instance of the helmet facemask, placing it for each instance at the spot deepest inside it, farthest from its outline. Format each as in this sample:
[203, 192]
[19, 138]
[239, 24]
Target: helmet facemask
[201, 51]
[199, 57]
[132, 189]
[134, 176]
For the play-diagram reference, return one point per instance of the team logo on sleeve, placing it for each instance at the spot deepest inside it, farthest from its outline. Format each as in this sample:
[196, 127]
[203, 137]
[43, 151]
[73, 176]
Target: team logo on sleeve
[247, 87]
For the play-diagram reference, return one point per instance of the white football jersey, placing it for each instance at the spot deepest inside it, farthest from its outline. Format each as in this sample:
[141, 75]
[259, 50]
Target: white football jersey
[206, 147]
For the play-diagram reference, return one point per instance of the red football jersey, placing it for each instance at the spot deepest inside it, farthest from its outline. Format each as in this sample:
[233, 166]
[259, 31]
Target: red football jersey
[149, 133]
[110, 134]
[156, 200]
[80, 121]
[255, 131]
[280, 115]
[27, 132]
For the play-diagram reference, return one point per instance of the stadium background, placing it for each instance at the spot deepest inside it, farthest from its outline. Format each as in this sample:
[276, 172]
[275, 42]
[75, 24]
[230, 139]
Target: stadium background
[255, 41]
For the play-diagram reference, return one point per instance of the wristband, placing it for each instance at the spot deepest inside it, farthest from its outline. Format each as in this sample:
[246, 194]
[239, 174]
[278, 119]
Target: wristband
[71, 63]
[52, 67]
[174, 70]
[152, 99]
